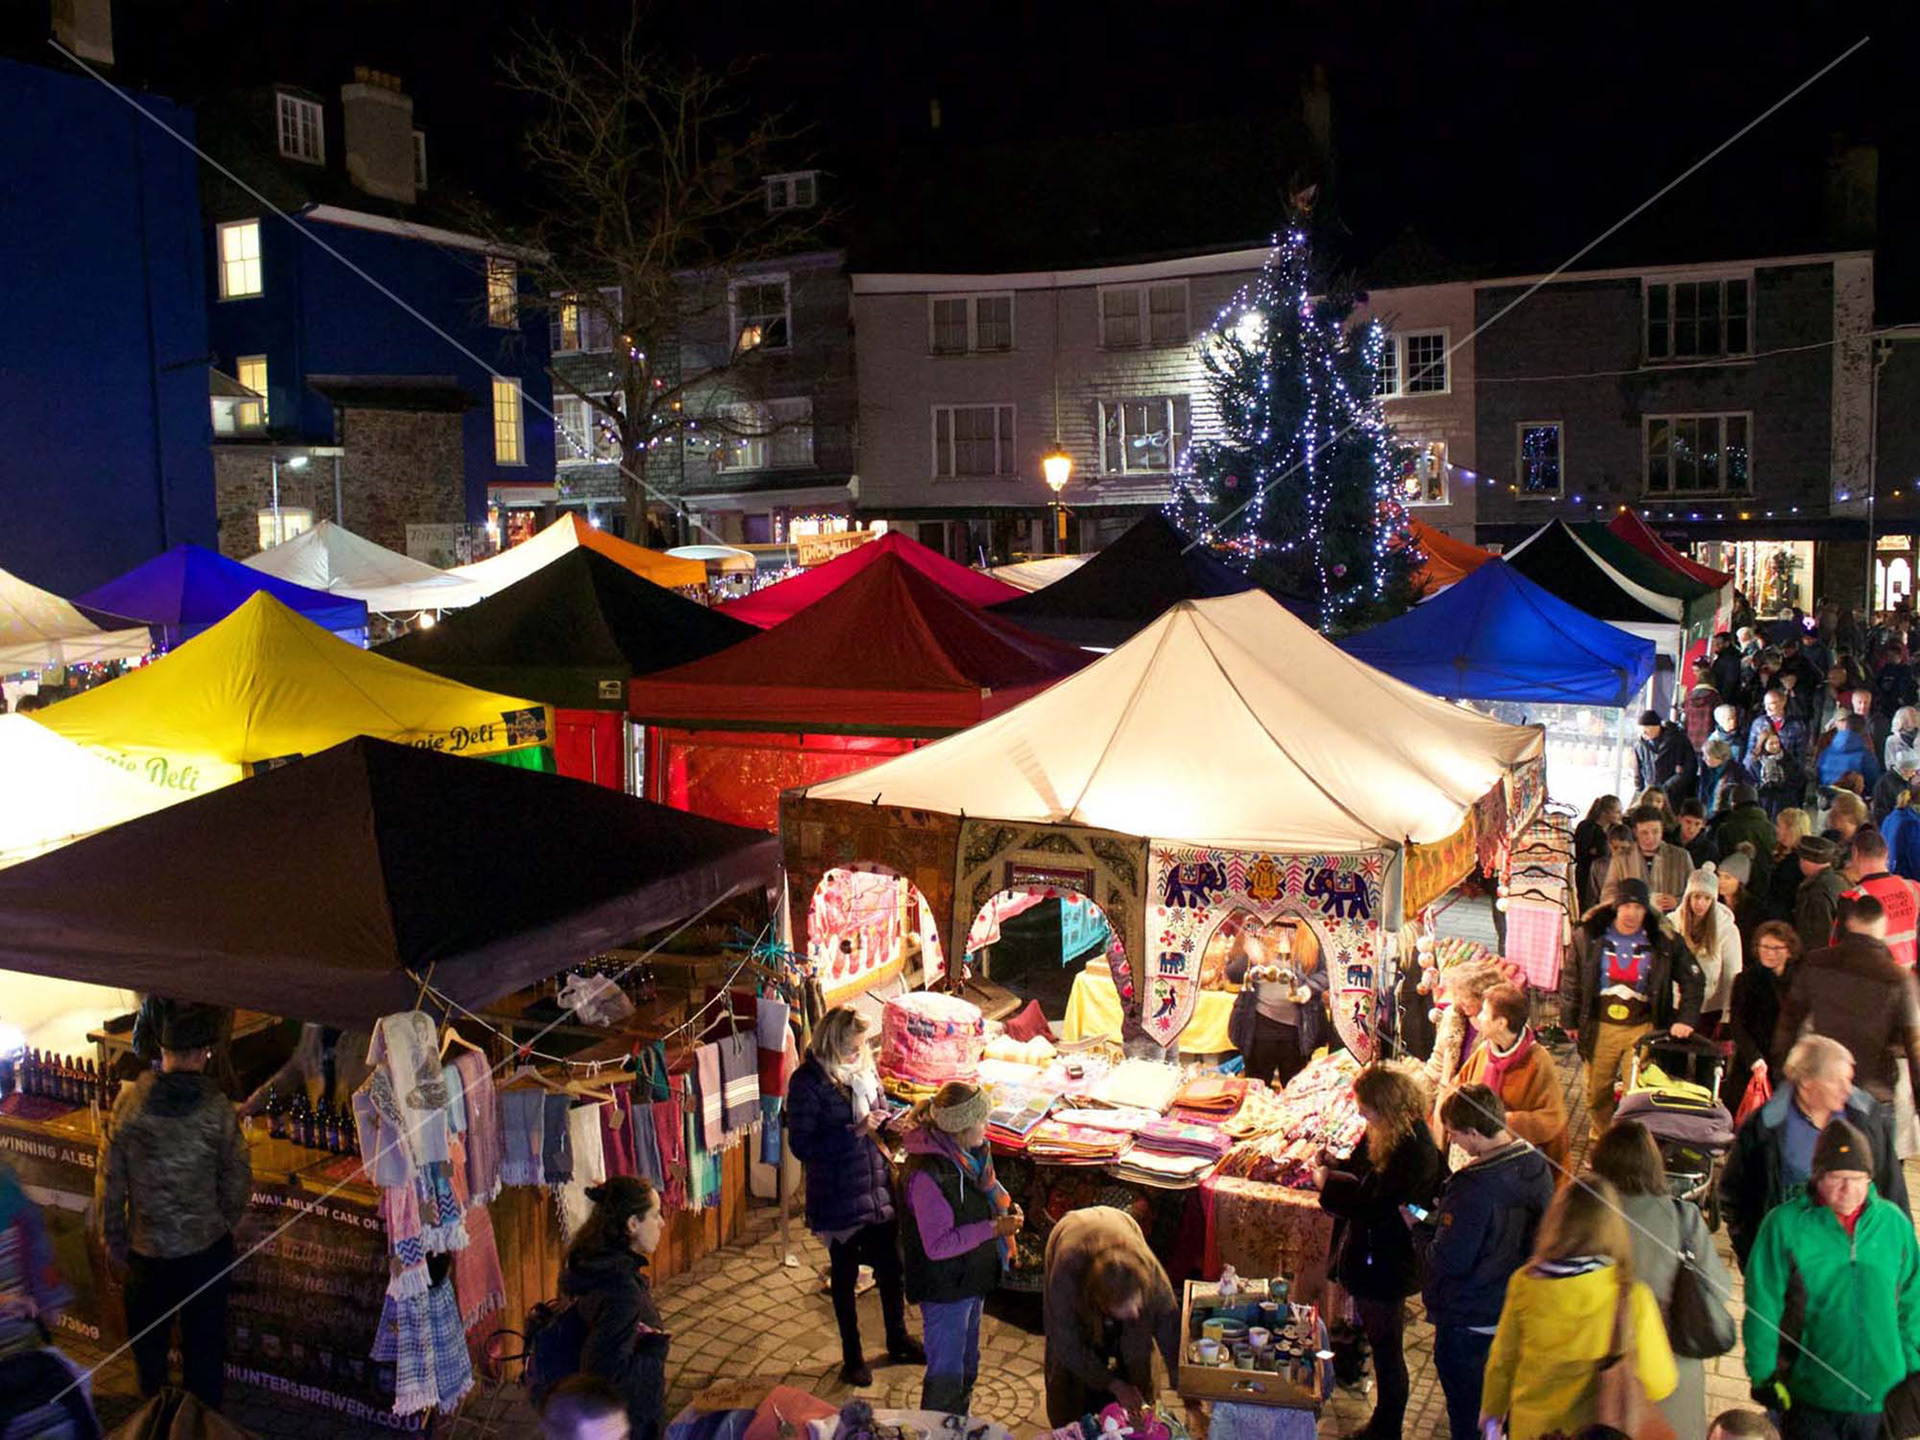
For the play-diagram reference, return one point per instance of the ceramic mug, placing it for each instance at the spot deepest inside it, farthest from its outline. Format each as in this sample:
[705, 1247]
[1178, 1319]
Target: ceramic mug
[1209, 1352]
[1270, 1314]
[1259, 1338]
[1214, 1329]
[1243, 1357]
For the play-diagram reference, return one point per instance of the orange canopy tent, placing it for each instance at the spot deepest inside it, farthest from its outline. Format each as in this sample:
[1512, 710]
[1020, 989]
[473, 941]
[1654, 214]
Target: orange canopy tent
[1448, 561]
[570, 533]
[1628, 526]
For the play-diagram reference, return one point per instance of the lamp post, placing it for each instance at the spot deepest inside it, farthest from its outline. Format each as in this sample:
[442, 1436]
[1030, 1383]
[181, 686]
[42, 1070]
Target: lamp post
[1056, 466]
[295, 462]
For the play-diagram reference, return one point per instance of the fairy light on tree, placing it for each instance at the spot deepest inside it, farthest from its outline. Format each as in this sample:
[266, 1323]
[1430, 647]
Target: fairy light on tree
[1302, 485]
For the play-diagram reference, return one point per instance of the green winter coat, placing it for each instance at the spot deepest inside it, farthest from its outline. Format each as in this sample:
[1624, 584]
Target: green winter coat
[1854, 1302]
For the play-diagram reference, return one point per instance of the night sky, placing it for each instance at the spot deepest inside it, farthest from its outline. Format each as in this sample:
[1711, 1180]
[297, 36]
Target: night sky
[1502, 135]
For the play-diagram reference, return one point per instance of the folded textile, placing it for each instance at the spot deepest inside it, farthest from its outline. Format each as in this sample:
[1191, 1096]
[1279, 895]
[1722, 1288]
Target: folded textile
[1125, 1120]
[1075, 1144]
[1017, 1112]
[522, 1136]
[1143, 1084]
[1149, 1167]
[1217, 1094]
[739, 1082]
[1181, 1137]
[483, 1126]
[646, 1149]
[556, 1140]
[707, 1090]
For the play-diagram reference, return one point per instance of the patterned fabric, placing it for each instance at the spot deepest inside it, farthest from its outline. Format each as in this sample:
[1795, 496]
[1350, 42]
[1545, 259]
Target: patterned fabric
[478, 1283]
[400, 1210]
[1180, 1137]
[483, 1126]
[703, 1179]
[739, 1082]
[522, 1130]
[1536, 941]
[452, 1365]
[441, 1226]
[708, 1091]
[382, 1151]
[405, 1047]
[556, 1140]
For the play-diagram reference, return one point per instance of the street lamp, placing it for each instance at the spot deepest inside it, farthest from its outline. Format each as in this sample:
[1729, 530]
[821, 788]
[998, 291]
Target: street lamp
[296, 462]
[1057, 468]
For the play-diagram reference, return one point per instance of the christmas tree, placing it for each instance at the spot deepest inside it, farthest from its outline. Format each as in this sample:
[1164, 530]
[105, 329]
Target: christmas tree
[1303, 484]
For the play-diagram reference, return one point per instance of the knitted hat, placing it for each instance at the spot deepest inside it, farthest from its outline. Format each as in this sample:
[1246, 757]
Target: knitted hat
[1649, 717]
[1818, 849]
[1841, 1146]
[1742, 795]
[189, 1027]
[1706, 880]
[1631, 891]
[1739, 865]
[965, 1115]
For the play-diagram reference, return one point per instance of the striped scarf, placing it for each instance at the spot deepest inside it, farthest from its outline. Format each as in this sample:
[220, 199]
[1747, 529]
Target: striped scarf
[977, 1167]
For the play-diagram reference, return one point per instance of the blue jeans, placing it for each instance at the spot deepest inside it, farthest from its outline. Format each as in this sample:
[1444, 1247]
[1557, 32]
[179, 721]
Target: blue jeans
[1460, 1357]
[950, 1329]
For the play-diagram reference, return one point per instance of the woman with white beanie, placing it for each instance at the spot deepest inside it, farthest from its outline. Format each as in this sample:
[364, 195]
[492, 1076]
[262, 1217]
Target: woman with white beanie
[1708, 928]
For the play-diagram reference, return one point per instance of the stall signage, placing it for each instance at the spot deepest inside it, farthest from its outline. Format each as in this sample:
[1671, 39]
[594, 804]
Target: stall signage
[1022, 875]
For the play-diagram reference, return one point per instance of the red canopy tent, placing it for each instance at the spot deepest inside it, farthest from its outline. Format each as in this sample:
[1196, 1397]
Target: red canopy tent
[1636, 532]
[883, 661]
[1448, 561]
[767, 608]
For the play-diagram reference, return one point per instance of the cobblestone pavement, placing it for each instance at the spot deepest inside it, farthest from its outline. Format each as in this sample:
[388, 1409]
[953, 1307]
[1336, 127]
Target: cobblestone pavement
[743, 1312]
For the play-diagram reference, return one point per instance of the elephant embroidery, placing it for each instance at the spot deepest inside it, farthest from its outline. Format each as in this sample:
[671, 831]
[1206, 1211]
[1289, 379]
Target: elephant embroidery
[1192, 884]
[1342, 893]
[1173, 962]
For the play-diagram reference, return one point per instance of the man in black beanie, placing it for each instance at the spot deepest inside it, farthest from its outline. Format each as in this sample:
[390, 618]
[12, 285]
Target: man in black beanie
[171, 1188]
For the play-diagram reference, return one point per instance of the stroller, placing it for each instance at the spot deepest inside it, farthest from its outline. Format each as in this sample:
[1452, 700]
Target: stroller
[1684, 1115]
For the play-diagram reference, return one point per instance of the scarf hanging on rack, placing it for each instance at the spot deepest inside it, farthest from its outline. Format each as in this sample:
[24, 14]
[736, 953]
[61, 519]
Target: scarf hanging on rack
[650, 1070]
[456, 1100]
[707, 1091]
[452, 1365]
[556, 1140]
[739, 1083]
[771, 1034]
[666, 1135]
[522, 1131]
[700, 1166]
[376, 1120]
[617, 1134]
[589, 1168]
[442, 1229]
[646, 1149]
[483, 1126]
[400, 1210]
[478, 1283]
[405, 1047]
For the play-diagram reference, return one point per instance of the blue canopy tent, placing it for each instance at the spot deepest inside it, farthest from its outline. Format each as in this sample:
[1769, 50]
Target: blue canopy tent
[1497, 636]
[189, 588]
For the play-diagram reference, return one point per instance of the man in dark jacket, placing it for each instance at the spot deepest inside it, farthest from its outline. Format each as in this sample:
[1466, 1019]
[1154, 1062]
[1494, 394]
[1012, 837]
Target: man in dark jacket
[1746, 819]
[1664, 758]
[1627, 963]
[1480, 1232]
[1816, 904]
[174, 1182]
[1855, 992]
[1772, 1153]
[1725, 672]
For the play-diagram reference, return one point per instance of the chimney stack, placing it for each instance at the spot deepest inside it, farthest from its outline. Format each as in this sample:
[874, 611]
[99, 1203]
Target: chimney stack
[86, 28]
[379, 134]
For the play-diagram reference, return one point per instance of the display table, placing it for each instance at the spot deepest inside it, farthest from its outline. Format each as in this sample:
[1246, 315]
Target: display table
[1266, 1229]
[1093, 1012]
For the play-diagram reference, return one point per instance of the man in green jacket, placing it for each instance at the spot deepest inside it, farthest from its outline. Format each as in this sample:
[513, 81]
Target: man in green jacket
[1833, 1298]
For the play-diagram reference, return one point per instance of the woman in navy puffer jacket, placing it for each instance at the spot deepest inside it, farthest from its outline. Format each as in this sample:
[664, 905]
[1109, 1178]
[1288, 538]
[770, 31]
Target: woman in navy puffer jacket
[1850, 749]
[834, 1115]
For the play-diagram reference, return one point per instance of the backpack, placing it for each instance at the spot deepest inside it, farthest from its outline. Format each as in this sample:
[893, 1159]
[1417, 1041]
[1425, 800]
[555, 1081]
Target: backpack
[556, 1342]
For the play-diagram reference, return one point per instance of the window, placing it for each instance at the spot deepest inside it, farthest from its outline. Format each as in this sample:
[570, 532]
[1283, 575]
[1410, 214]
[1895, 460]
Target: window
[1697, 319]
[963, 323]
[972, 440]
[279, 526]
[303, 133]
[503, 292]
[774, 435]
[419, 159]
[1425, 481]
[1144, 437]
[584, 327]
[585, 433]
[761, 319]
[1135, 315]
[251, 371]
[1387, 383]
[797, 191]
[1538, 459]
[508, 446]
[1413, 362]
[239, 244]
[1698, 454]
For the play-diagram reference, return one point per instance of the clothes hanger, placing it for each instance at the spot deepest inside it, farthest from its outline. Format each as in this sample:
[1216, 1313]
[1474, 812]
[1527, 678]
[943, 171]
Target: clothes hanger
[453, 1037]
[528, 1073]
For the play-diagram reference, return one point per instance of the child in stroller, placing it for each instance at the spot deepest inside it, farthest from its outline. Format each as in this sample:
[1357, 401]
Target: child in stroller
[1674, 1090]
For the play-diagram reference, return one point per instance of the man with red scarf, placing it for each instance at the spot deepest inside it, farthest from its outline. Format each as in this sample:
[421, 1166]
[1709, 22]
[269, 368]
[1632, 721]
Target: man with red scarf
[1510, 1061]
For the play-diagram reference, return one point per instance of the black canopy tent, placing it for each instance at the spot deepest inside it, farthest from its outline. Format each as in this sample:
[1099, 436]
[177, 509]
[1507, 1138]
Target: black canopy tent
[322, 889]
[571, 634]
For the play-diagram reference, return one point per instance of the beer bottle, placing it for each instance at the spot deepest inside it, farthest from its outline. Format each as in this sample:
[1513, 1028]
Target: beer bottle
[30, 1073]
[276, 1115]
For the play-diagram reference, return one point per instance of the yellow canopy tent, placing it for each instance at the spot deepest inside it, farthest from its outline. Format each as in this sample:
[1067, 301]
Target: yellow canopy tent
[265, 686]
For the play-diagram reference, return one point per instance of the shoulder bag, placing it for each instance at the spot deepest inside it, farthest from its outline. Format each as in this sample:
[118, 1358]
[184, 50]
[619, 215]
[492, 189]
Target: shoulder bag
[1620, 1399]
[1698, 1325]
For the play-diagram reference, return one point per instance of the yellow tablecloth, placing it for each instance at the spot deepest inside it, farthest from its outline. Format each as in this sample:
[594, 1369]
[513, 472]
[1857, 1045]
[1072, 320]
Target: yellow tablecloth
[1093, 1009]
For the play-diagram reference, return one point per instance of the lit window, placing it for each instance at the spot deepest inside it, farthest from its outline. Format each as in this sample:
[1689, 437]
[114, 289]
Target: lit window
[303, 133]
[1697, 319]
[774, 435]
[798, 191]
[251, 371]
[760, 316]
[1538, 457]
[239, 244]
[419, 159]
[962, 323]
[279, 526]
[1698, 455]
[972, 440]
[1425, 482]
[1135, 315]
[508, 448]
[584, 324]
[1144, 436]
[503, 292]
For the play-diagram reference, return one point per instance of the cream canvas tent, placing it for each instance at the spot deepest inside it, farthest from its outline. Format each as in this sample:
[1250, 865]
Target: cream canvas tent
[1038, 574]
[570, 532]
[1225, 760]
[336, 560]
[38, 628]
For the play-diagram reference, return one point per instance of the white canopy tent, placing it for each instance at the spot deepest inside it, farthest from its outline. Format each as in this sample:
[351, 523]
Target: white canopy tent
[38, 628]
[1038, 574]
[336, 560]
[1226, 722]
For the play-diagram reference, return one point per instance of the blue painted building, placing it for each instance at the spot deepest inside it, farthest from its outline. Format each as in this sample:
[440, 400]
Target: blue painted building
[103, 357]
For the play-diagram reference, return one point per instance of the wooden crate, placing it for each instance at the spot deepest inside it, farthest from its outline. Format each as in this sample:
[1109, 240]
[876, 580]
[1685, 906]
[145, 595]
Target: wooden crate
[1210, 1382]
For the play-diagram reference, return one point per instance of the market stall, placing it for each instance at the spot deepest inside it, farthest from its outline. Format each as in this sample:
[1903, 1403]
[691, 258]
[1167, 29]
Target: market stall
[39, 629]
[53, 792]
[342, 890]
[1707, 607]
[1636, 532]
[1126, 587]
[572, 635]
[571, 532]
[190, 589]
[265, 686]
[334, 559]
[1038, 573]
[1447, 561]
[769, 607]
